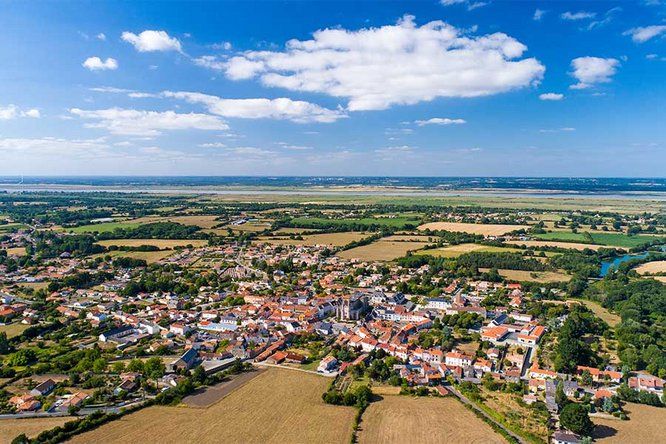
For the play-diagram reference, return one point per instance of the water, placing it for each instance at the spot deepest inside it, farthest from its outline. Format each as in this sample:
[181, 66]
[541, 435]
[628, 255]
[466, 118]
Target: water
[606, 266]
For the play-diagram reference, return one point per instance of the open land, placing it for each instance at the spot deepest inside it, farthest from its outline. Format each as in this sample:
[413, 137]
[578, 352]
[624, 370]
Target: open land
[159, 243]
[532, 276]
[457, 250]
[11, 428]
[148, 256]
[645, 425]
[654, 267]
[401, 419]
[13, 329]
[619, 240]
[484, 229]
[382, 250]
[275, 407]
[569, 245]
[335, 239]
[610, 318]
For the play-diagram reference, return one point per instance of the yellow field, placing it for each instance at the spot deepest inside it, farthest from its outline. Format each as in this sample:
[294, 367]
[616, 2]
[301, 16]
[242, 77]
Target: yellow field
[610, 318]
[382, 250]
[645, 425]
[654, 267]
[334, 239]
[278, 406]
[571, 245]
[410, 237]
[532, 276]
[148, 256]
[457, 250]
[402, 419]
[13, 329]
[11, 428]
[17, 251]
[484, 229]
[159, 243]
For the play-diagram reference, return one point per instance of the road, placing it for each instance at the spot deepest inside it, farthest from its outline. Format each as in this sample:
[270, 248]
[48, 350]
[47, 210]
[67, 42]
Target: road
[464, 400]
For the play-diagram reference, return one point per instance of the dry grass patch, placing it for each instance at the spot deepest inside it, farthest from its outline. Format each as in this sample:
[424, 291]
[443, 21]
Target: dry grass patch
[148, 256]
[382, 250]
[654, 267]
[645, 425]
[159, 243]
[457, 250]
[334, 239]
[278, 406]
[570, 245]
[403, 419]
[14, 329]
[532, 276]
[610, 318]
[11, 428]
[484, 229]
[16, 251]
[410, 238]
[199, 220]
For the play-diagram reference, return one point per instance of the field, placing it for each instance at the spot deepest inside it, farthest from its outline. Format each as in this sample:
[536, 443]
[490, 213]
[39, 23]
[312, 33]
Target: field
[457, 250]
[104, 227]
[533, 276]
[199, 220]
[570, 245]
[335, 239]
[277, 406]
[13, 329]
[148, 256]
[395, 222]
[610, 318]
[618, 240]
[654, 267]
[17, 251]
[382, 250]
[159, 243]
[402, 419]
[11, 428]
[484, 229]
[645, 425]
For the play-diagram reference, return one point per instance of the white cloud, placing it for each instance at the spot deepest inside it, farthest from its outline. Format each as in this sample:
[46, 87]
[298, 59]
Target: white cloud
[150, 40]
[210, 62]
[281, 108]
[101, 36]
[11, 112]
[147, 123]
[226, 46]
[394, 153]
[591, 70]
[538, 14]
[52, 146]
[471, 5]
[97, 64]
[213, 145]
[376, 68]
[110, 89]
[565, 129]
[440, 121]
[580, 15]
[644, 33]
[551, 96]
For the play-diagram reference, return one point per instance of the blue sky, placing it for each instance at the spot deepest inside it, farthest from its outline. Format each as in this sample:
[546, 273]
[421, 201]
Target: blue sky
[438, 88]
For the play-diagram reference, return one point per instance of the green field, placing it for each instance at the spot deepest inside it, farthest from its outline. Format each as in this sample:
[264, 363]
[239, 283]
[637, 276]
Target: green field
[367, 222]
[611, 239]
[103, 227]
[11, 227]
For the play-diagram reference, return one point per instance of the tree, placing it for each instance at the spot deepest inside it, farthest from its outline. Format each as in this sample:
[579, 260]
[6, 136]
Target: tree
[560, 397]
[575, 418]
[586, 378]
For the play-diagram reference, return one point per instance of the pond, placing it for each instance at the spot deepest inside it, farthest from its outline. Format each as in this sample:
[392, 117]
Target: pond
[607, 265]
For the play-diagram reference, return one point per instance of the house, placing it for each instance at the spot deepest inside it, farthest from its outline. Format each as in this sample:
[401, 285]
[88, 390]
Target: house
[494, 334]
[277, 358]
[185, 362]
[116, 333]
[327, 364]
[44, 388]
[647, 383]
[75, 400]
[565, 437]
[179, 329]
[25, 403]
[457, 359]
[600, 375]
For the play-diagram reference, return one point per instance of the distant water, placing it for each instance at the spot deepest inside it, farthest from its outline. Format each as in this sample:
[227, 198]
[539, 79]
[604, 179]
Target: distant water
[606, 266]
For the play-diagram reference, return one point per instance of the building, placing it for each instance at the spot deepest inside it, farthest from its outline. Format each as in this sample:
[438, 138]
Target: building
[352, 307]
[44, 388]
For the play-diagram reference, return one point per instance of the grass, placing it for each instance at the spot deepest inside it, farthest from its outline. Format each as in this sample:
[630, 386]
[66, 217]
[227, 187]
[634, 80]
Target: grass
[522, 417]
[645, 425]
[11, 428]
[277, 406]
[401, 419]
[148, 256]
[484, 229]
[457, 250]
[654, 267]
[382, 250]
[16, 251]
[159, 243]
[199, 220]
[11, 227]
[14, 329]
[559, 244]
[601, 312]
[610, 239]
[104, 227]
[334, 239]
[532, 276]
[316, 222]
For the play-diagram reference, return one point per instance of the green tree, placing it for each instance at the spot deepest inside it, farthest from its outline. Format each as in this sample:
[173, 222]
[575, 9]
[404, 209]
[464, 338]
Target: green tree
[575, 418]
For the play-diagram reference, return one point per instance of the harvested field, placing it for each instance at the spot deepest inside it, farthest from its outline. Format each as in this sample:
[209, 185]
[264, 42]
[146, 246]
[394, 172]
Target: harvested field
[382, 250]
[457, 250]
[104, 227]
[278, 406]
[14, 329]
[334, 239]
[199, 220]
[410, 238]
[402, 419]
[211, 395]
[484, 229]
[148, 256]
[532, 276]
[645, 425]
[11, 428]
[610, 318]
[159, 243]
[654, 267]
[571, 245]
[16, 251]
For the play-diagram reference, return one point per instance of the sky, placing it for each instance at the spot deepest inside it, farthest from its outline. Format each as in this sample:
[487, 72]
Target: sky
[374, 88]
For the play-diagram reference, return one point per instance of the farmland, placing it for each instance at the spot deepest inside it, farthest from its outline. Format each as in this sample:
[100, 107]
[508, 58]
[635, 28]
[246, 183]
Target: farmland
[368, 222]
[105, 227]
[382, 250]
[457, 250]
[484, 229]
[159, 243]
[148, 256]
[11, 428]
[645, 425]
[334, 239]
[275, 407]
[610, 318]
[654, 267]
[13, 329]
[400, 419]
[619, 240]
[532, 276]
[557, 244]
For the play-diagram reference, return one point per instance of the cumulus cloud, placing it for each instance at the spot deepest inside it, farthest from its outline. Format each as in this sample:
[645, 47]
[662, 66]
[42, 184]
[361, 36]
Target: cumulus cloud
[551, 96]
[210, 62]
[644, 33]
[538, 14]
[376, 68]
[591, 70]
[97, 64]
[580, 15]
[11, 112]
[147, 123]
[440, 121]
[281, 108]
[151, 40]
[101, 36]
